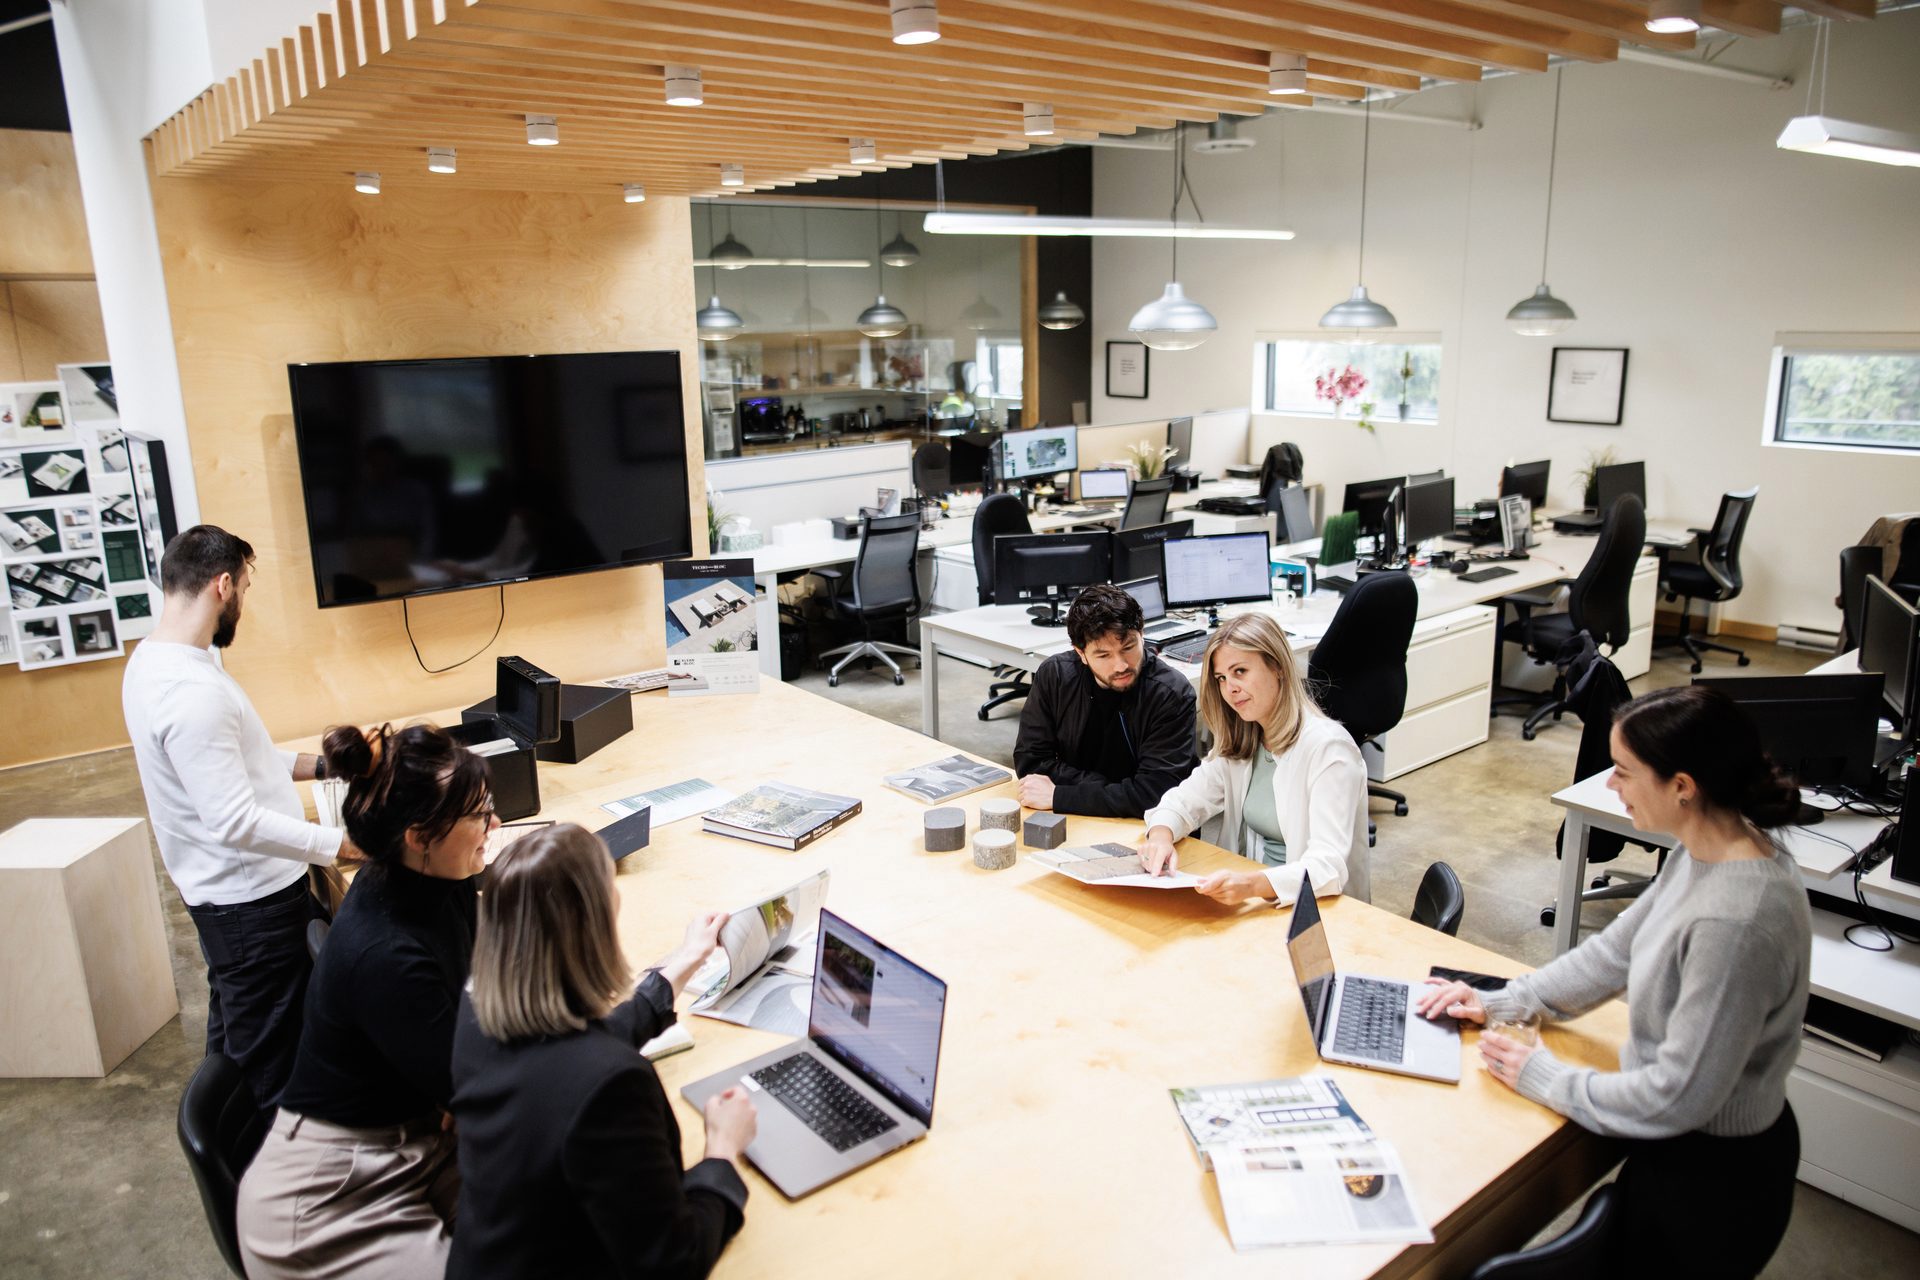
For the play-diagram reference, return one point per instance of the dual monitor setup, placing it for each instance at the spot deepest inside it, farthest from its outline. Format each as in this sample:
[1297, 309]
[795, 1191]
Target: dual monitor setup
[1046, 570]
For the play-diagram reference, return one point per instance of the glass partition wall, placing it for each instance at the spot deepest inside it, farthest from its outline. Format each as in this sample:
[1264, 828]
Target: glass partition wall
[809, 356]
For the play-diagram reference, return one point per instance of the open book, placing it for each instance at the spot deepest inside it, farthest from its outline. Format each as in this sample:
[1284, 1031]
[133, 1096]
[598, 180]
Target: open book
[761, 973]
[941, 780]
[1112, 865]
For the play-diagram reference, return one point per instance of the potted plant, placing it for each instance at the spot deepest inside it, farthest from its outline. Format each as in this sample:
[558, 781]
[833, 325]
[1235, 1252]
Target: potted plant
[1341, 385]
[1588, 476]
[1145, 459]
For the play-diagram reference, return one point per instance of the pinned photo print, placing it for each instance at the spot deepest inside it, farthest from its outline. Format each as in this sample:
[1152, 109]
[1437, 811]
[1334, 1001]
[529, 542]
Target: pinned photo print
[13, 479]
[58, 474]
[119, 511]
[28, 531]
[122, 550]
[134, 611]
[31, 414]
[49, 584]
[39, 641]
[94, 634]
[88, 389]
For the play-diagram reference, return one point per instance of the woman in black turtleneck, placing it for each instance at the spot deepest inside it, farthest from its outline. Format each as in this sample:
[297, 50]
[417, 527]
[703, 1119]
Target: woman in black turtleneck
[358, 1176]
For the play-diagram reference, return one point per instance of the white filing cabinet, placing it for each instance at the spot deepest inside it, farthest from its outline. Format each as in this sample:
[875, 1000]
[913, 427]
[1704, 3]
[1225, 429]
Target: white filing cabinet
[1447, 694]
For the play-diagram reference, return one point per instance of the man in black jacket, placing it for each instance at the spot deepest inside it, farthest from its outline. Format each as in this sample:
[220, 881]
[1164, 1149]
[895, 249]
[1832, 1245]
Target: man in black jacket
[1108, 727]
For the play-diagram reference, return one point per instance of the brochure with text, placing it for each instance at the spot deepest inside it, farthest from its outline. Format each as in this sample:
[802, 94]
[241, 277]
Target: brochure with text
[712, 627]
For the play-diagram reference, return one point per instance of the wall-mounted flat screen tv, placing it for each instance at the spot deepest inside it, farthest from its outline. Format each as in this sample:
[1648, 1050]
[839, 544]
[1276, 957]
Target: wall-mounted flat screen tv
[437, 475]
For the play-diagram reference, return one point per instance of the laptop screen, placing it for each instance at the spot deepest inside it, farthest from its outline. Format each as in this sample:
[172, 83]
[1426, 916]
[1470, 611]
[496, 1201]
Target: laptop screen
[1312, 960]
[1105, 482]
[878, 1013]
[1147, 594]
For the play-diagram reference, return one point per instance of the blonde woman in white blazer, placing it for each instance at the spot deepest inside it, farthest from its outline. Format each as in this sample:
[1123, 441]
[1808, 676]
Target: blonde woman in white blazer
[1309, 815]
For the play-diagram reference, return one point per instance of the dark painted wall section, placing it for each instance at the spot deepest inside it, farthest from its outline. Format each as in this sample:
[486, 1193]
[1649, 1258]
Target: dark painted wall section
[1053, 180]
[31, 93]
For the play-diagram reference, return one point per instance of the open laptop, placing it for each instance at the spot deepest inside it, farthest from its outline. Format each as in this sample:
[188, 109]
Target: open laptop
[1362, 1021]
[1152, 599]
[1102, 486]
[861, 1084]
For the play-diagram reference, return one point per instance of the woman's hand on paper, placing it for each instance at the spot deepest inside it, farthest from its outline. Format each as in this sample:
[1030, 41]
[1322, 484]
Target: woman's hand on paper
[1157, 853]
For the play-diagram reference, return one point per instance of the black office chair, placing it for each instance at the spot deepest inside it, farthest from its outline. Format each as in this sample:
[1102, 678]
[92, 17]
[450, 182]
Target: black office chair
[1857, 564]
[1581, 1252]
[1596, 604]
[1440, 902]
[1358, 671]
[1715, 577]
[1283, 464]
[221, 1127]
[886, 589]
[1000, 513]
[1147, 502]
[316, 937]
[933, 470]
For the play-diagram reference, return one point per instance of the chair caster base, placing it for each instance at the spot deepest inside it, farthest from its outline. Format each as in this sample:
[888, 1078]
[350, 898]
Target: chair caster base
[1745, 660]
[1546, 916]
[1696, 668]
[1529, 734]
[984, 715]
[833, 682]
[1400, 811]
[898, 678]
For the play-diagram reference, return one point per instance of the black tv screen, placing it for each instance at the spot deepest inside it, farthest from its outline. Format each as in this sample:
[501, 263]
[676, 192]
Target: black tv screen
[437, 475]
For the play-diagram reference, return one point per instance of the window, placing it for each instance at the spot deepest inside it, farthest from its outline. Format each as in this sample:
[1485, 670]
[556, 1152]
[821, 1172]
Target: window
[1866, 399]
[1005, 368]
[1402, 380]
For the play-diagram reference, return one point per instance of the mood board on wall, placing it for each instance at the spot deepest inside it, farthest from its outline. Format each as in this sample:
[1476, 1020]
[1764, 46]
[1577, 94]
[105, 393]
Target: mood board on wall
[85, 511]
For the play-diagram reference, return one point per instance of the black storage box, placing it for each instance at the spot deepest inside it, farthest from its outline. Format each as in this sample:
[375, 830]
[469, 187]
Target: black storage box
[846, 529]
[525, 710]
[511, 775]
[590, 717]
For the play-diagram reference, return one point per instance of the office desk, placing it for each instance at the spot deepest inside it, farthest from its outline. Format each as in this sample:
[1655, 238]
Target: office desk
[1055, 1150]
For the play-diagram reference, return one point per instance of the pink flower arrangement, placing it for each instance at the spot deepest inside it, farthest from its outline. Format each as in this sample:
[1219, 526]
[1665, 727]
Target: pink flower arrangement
[1339, 386]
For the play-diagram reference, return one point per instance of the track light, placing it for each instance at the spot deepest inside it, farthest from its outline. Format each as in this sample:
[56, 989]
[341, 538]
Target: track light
[633, 192]
[367, 184]
[1287, 73]
[733, 175]
[915, 21]
[862, 151]
[543, 131]
[1037, 120]
[683, 86]
[1673, 17]
[440, 160]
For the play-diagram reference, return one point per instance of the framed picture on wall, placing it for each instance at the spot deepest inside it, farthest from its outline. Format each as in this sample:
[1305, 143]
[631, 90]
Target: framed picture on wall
[1588, 384]
[1127, 370]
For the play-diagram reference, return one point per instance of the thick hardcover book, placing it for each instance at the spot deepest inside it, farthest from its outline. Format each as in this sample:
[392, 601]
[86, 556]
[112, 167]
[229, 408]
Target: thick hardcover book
[783, 816]
[941, 780]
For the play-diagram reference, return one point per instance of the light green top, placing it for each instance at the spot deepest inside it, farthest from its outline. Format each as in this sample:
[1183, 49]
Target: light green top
[1259, 810]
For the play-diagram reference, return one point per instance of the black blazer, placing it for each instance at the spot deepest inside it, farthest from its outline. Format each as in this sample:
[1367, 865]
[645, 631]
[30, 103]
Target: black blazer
[570, 1156]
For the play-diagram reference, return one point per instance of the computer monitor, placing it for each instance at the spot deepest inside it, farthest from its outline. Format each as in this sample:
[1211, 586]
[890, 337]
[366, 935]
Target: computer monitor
[1180, 436]
[1890, 644]
[970, 457]
[1429, 511]
[1821, 729]
[1105, 484]
[1043, 451]
[1622, 477]
[1296, 514]
[1225, 568]
[1049, 568]
[1138, 553]
[1368, 498]
[1528, 480]
[1425, 477]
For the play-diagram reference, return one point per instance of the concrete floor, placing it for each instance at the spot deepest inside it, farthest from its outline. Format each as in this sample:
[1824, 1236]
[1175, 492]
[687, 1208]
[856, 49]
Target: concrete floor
[93, 1184]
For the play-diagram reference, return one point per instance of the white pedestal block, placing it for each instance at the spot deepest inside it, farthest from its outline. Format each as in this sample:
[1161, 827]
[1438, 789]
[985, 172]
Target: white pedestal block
[85, 975]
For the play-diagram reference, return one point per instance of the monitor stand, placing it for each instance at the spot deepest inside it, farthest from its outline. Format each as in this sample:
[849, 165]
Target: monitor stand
[1048, 614]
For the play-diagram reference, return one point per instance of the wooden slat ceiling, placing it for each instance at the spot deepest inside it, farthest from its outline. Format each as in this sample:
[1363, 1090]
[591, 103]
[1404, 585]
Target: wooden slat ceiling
[371, 84]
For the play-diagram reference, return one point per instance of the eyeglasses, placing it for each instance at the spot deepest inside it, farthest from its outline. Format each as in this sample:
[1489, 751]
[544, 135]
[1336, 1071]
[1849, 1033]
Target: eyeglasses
[485, 812]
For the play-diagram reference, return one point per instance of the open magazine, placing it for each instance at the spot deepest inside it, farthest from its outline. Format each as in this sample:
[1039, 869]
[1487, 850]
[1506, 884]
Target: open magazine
[761, 973]
[1297, 1165]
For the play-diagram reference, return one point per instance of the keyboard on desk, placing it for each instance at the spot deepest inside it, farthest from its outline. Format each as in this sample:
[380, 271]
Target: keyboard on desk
[1372, 1020]
[1188, 651]
[824, 1102]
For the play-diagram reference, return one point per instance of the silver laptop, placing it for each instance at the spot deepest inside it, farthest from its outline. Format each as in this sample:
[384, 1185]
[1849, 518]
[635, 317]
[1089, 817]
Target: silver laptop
[1152, 599]
[861, 1083]
[1362, 1021]
[1105, 485]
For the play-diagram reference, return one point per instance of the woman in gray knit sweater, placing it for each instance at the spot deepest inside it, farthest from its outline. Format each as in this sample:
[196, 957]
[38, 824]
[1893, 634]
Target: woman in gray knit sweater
[1713, 959]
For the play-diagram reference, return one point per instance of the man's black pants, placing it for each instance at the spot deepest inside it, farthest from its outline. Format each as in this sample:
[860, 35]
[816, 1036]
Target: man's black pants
[257, 971]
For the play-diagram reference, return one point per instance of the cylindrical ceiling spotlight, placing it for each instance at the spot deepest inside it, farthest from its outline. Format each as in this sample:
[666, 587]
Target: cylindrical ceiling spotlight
[1287, 73]
[915, 22]
[633, 192]
[367, 184]
[1037, 120]
[543, 131]
[1062, 313]
[1673, 17]
[440, 160]
[862, 151]
[683, 86]
[733, 175]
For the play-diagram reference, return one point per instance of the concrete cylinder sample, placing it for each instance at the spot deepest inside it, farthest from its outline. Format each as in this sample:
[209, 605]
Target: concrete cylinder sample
[993, 850]
[1000, 815]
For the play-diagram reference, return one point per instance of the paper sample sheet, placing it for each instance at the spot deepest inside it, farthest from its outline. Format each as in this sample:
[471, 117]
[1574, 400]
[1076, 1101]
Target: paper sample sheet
[672, 802]
[1111, 866]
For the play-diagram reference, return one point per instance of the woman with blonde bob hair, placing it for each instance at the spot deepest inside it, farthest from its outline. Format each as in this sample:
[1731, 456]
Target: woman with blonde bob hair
[1287, 782]
[569, 1151]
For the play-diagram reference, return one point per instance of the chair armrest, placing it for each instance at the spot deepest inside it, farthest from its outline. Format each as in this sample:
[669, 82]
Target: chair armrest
[1541, 598]
[832, 577]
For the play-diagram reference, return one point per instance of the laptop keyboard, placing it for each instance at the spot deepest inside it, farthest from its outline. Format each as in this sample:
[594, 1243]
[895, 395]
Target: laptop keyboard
[1188, 651]
[827, 1104]
[1372, 1020]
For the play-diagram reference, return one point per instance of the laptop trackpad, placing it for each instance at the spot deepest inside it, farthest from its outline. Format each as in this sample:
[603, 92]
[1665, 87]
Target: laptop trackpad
[1433, 1048]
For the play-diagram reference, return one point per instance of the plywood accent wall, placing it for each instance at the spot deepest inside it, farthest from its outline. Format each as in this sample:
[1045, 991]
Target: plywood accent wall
[45, 225]
[45, 323]
[261, 274]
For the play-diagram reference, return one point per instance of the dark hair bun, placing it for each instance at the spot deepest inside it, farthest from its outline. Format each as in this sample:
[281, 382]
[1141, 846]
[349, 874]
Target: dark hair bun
[349, 754]
[1772, 799]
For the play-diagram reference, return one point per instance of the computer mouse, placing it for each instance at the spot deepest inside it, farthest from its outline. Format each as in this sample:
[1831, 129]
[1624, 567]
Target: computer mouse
[1458, 566]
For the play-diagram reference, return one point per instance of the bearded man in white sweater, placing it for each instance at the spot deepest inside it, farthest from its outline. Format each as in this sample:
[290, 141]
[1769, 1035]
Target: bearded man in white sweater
[230, 826]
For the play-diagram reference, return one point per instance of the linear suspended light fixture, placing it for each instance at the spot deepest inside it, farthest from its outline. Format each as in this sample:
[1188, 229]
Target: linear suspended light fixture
[441, 160]
[683, 86]
[1673, 17]
[859, 264]
[1817, 133]
[1017, 224]
[543, 131]
[915, 21]
[1542, 315]
[1287, 73]
[1360, 316]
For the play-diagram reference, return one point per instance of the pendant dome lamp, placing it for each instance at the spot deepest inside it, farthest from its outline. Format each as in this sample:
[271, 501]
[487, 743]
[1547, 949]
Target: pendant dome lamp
[1360, 317]
[714, 322]
[1173, 321]
[1062, 313]
[882, 319]
[900, 251]
[729, 254]
[1541, 315]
